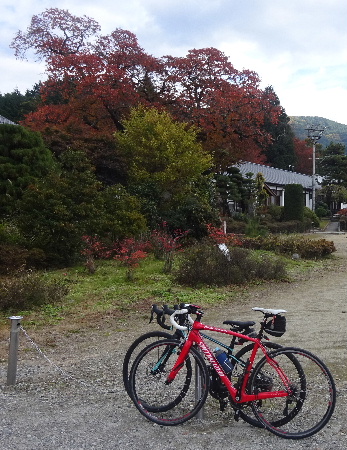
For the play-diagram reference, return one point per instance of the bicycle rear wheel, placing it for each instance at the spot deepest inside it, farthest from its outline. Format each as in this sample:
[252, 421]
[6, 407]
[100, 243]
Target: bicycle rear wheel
[139, 344]
[244, 410]
[312, 393]
[174, 403]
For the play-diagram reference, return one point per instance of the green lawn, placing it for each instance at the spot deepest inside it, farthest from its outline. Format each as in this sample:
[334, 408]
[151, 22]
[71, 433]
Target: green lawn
[107, 292]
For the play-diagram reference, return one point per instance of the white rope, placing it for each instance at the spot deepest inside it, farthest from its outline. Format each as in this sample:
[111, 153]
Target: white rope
[63, 372]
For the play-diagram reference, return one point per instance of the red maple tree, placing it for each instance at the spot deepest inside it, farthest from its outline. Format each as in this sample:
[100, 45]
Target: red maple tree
[303, 152]
[228, 106]
[93, 82]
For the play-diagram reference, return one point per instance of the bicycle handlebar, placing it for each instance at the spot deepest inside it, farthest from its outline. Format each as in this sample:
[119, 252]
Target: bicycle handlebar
[175, 324]
[160, 314]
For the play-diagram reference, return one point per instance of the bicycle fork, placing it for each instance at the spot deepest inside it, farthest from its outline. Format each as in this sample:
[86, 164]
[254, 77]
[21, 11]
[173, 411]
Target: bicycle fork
[179, 362]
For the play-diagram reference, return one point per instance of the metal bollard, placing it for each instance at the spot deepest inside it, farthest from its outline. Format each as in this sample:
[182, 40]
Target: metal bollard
[198, 389]
[13, 352]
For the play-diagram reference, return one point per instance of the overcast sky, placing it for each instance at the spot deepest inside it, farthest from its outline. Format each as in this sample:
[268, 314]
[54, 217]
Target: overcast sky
[297, 46]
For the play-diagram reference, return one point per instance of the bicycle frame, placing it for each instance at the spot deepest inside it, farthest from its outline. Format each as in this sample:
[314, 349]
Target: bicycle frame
[238, 395]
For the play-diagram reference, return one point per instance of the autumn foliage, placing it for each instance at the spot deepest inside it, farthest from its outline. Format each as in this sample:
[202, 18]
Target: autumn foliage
[303, 152]
[94, 81]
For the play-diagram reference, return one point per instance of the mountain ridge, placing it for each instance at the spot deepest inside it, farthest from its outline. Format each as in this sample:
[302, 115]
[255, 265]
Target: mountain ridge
[334, 131]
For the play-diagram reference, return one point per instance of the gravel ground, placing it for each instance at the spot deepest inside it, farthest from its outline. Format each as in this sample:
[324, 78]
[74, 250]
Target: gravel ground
[77, 400]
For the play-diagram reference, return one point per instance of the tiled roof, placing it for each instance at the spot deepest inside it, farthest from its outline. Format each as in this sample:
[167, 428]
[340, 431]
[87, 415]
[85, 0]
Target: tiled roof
[276, 176]
[7, 121]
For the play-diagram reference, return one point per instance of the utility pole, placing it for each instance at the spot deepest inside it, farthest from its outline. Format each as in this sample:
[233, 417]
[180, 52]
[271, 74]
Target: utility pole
[314, 133]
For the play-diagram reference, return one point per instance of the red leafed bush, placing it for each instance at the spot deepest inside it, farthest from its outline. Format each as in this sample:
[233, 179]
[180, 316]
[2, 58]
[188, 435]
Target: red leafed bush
[342, 212]
[130, 252]
[219, 237]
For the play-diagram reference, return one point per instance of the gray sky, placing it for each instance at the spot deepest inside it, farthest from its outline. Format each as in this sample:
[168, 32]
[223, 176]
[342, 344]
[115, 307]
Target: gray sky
[297, 46]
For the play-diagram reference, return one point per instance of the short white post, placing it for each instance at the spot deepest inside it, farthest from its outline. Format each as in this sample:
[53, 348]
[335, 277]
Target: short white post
[13, 352]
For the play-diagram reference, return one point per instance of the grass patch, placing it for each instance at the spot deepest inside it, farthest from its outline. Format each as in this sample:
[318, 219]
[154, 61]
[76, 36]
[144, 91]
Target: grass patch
[106, 293]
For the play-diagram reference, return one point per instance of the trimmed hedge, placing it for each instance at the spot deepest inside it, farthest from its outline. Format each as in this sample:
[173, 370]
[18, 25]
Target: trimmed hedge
[293, 202]
[305, 247]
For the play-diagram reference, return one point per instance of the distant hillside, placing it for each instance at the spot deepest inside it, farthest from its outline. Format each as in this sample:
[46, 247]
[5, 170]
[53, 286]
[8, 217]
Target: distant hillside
[335, 132]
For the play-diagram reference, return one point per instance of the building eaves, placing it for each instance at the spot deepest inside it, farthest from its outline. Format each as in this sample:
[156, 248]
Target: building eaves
[276, 176]
[3, 120]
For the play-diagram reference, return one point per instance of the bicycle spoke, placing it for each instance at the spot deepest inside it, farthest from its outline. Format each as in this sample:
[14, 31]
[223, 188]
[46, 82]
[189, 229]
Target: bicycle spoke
[311, 389]
[167, 404]
[245, 411]
[135, 348]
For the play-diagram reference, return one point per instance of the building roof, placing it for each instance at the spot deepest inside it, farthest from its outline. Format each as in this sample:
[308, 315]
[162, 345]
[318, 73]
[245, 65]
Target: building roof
[7, 121]
[276, 176]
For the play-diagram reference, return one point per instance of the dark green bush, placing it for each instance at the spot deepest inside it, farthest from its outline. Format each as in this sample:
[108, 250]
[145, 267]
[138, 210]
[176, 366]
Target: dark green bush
[290, 226]
[9, 233]
[14, 258]
[206, 264]
[293, 202]
[322, 209]
[236, 226]
[343, 223]
[322, 212]
[275, 212]
[30, 289]
[255, 228]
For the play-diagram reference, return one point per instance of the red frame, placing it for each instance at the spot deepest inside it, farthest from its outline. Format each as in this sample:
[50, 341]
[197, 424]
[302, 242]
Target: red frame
[238, 395]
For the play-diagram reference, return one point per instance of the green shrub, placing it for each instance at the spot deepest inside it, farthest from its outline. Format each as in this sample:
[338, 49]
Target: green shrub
[14, 258]
[312, 216]
[255, 228]
[206, 264]
[236, 226]
[322, 209]
[305, 247]
[290, 226]
[30, 289]
[275, 212]
[293, 202]
[322, 212]
[9, 233]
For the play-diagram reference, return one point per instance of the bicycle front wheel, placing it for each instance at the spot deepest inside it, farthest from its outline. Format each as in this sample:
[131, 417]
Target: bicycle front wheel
[174, 403]
[311, 393]
[139, 344]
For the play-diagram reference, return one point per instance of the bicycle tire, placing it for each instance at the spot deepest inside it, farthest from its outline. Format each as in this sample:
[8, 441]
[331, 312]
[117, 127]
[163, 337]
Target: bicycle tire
[313, 393]
[159, 366]
[244, 410]
[168, 404]
[139, 344]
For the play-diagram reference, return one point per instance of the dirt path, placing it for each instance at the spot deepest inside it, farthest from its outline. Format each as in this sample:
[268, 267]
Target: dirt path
[47, 411]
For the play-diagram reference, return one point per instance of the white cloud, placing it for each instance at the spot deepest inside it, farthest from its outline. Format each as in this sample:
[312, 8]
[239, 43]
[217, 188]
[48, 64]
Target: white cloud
[21, 75]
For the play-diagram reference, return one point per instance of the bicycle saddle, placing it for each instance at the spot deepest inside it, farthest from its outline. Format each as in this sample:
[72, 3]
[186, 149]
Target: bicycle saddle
[241, 325]
[272, 312]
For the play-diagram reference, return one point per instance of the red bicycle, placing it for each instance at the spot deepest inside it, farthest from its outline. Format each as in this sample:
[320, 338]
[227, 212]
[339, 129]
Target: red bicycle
[291, 391]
